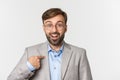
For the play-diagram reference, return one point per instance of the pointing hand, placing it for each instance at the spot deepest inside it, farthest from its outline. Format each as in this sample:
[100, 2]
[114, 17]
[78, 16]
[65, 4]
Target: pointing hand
[35, 61]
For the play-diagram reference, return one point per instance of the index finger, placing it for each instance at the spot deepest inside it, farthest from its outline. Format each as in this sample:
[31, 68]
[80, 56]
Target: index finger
[41, 57]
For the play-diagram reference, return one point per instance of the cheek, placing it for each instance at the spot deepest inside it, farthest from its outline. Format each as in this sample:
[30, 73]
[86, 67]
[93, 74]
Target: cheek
[46, 31]
[62, 32]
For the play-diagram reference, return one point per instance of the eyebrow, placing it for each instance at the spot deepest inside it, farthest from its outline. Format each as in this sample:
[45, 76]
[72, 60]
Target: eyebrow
[51, 22]
[48, 21]
[60, 21]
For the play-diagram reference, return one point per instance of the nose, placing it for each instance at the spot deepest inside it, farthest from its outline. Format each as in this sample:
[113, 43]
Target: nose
[54, 29]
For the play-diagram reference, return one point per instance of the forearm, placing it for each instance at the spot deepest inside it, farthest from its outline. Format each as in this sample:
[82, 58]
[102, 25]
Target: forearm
[21, 71]
[20, 74]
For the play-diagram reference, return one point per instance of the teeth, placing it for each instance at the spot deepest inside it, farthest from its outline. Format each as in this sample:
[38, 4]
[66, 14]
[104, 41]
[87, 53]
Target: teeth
[54, 35]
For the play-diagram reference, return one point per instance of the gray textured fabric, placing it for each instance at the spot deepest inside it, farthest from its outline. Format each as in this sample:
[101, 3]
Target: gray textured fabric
[75, 65]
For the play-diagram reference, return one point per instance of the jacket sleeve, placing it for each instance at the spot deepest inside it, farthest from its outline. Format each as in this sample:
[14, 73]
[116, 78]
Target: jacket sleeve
[84, 70]
[21, 71]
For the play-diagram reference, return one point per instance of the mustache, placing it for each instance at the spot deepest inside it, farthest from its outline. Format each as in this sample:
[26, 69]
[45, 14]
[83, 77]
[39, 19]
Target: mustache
[55, 33]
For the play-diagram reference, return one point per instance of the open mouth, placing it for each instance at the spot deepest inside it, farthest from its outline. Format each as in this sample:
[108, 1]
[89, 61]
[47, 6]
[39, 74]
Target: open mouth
[54, 37]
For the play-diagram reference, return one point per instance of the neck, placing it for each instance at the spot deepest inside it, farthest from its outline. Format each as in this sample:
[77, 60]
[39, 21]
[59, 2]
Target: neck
[56, 47]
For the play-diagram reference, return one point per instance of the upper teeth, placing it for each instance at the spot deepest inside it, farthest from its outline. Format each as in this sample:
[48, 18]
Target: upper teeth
[54, 35]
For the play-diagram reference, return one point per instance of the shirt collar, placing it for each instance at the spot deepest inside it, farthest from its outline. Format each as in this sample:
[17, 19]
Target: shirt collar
[60, 51]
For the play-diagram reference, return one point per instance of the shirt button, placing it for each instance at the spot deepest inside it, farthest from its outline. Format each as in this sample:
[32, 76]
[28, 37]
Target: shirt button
[55, 56]
[54, 67]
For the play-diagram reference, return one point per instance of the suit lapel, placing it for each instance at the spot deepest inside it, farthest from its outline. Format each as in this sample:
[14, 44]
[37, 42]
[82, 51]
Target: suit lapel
[44, 52]
[67, 53]
[66, 56]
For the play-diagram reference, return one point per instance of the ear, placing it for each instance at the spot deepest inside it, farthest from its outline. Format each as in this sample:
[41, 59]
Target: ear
[43, 27]
[66, 28]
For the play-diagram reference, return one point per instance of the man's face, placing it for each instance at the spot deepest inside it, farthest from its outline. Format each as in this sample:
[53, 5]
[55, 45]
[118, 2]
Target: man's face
[55, 29]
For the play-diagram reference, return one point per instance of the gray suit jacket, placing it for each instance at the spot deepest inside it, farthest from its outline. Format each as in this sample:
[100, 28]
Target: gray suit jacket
[75, 64]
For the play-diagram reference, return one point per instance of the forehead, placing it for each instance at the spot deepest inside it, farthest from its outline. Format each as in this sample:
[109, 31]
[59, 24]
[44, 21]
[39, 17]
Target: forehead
[58, 18]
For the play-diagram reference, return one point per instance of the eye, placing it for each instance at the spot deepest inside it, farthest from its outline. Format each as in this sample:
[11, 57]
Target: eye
[60, 25]
[49, 25]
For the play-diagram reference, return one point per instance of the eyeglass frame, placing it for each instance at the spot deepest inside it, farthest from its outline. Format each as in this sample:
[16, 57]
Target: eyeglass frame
[60, 25]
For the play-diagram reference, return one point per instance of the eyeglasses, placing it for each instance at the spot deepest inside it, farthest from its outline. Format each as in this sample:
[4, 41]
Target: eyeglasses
[59, 26]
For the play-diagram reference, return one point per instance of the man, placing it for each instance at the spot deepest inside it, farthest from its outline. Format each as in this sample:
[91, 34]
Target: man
[54, 59]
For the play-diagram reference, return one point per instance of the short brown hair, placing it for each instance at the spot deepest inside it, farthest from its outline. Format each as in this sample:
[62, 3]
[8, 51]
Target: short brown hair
[52, 12]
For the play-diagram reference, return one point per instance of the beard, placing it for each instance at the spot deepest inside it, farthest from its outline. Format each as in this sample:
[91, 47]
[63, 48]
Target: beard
[57, 41]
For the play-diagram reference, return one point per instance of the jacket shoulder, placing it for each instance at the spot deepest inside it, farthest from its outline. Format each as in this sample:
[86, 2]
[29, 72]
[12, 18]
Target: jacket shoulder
[36, 46]
[76, 48]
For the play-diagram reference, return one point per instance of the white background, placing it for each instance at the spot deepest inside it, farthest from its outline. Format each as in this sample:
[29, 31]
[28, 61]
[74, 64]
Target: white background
[92, 24]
